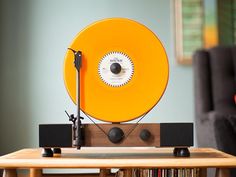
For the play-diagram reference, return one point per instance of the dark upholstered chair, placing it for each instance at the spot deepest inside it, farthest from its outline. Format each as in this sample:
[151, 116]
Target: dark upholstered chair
[215, 109]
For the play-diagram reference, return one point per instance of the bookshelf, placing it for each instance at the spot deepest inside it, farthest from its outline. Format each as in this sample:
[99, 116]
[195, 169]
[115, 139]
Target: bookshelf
[120, 158]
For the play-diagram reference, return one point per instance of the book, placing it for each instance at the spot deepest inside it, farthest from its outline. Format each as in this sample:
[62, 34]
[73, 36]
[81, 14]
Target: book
[158, 172]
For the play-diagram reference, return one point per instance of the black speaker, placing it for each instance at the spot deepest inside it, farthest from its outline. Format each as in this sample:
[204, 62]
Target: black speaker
[176, 134]
[55, 135]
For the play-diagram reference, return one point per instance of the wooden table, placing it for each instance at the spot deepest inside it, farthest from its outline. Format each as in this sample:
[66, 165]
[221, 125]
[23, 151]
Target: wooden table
[123, 158]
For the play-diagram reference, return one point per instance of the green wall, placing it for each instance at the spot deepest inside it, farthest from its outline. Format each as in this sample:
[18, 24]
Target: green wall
[34, 37]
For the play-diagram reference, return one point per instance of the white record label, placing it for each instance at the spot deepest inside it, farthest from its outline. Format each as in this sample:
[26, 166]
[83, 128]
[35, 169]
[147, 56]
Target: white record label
[116, 69]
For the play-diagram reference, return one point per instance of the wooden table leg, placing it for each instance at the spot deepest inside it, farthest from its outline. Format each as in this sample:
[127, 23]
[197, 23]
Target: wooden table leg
[35, 172]
[9, 173]
[222, 172]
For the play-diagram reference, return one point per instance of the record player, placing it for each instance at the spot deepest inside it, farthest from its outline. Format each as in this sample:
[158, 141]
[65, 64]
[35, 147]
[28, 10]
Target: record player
[115, 70]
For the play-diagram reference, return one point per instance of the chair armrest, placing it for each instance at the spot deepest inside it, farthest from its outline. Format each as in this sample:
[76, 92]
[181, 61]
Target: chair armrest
[225, 132]
[202, 81]
[205, 128]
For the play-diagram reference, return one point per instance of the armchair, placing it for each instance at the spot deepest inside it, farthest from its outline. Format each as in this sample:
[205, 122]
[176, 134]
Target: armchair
[215, 87]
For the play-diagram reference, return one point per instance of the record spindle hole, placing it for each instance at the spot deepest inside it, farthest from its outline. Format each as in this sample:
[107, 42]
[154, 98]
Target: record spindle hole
[115, 68]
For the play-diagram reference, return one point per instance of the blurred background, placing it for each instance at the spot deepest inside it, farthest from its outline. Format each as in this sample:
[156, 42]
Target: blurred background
[34, 36]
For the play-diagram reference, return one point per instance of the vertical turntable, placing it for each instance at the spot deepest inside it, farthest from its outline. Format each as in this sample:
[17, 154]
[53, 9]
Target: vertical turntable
[116, 70]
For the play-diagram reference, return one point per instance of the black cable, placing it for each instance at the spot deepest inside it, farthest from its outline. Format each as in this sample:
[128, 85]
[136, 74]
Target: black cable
[131, 130]
[95, 124]
[135, 125]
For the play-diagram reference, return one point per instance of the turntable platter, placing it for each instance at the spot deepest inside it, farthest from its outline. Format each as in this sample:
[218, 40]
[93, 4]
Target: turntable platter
[124, 70]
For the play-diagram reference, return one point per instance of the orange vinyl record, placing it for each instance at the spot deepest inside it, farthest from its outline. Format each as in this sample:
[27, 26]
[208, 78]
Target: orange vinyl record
[124, 70]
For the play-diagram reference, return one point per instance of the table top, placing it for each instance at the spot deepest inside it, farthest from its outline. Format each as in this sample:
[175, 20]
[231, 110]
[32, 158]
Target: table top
[118, 158]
